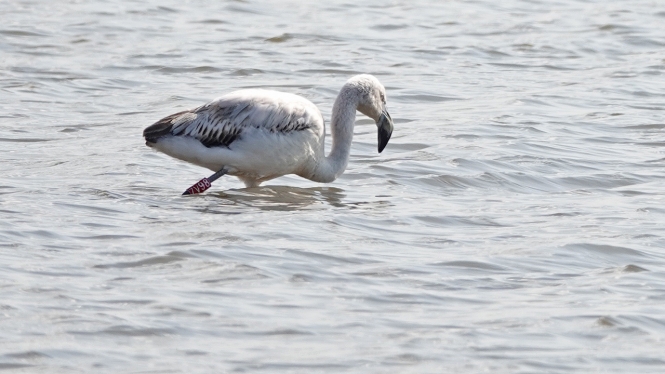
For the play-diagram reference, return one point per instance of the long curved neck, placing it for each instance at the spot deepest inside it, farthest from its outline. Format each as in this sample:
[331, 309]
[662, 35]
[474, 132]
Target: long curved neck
[341, 128]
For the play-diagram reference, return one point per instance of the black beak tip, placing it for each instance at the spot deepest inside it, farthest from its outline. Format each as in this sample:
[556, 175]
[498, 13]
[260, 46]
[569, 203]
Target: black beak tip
[385, 127]
[384, 137]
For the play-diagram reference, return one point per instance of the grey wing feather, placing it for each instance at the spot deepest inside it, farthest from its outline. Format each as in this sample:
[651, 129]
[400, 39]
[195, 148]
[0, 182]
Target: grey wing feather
[223, 121]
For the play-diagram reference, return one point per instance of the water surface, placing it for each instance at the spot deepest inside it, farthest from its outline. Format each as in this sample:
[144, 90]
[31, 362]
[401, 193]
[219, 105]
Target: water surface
[514, 224]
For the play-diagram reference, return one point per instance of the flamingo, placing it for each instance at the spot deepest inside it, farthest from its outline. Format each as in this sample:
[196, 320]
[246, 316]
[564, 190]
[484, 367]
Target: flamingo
[257, 135]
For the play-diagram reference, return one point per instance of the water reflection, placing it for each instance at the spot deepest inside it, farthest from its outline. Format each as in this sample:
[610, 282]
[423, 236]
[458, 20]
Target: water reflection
[275, 198]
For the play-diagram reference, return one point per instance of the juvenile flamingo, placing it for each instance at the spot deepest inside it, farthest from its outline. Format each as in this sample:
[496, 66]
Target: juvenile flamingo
[257, 135]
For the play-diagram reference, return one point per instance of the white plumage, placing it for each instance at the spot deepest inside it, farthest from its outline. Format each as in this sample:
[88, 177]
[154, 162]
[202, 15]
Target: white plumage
[259, 135]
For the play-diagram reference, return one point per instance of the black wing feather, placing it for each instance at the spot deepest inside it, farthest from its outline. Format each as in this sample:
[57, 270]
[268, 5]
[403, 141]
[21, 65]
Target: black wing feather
[220, 123]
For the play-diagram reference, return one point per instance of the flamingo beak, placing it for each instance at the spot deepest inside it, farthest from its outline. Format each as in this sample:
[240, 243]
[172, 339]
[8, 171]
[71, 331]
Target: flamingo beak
[385, 129]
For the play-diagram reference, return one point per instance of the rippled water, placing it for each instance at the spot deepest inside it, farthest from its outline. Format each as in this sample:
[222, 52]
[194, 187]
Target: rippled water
[514, 224]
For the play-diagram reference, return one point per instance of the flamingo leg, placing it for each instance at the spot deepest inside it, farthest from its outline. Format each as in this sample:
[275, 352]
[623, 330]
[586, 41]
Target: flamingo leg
[204, 183]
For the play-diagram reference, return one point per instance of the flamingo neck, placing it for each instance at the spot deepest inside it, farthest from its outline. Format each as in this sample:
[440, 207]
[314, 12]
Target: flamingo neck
[341, 128]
